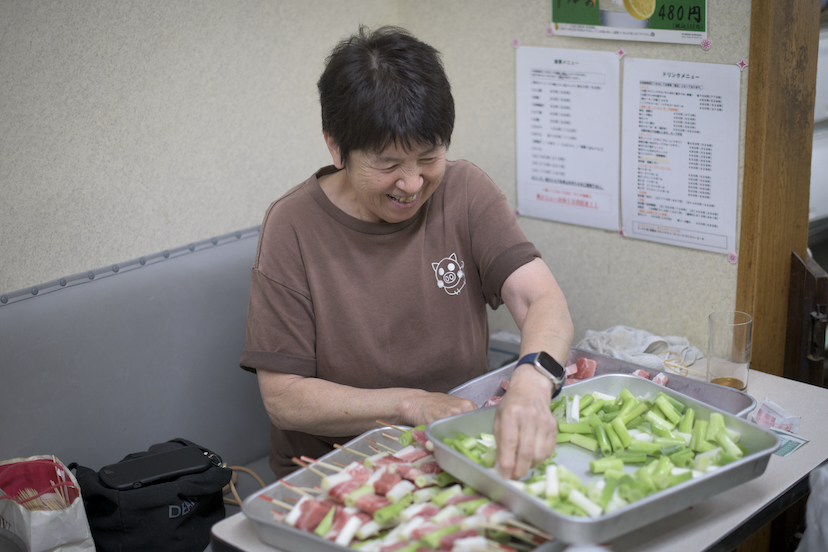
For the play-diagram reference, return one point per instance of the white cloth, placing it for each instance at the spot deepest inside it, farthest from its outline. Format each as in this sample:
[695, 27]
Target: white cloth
[639, 346]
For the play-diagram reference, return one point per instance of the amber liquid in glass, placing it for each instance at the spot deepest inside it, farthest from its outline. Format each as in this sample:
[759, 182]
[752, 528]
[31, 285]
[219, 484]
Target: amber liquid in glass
[729, 382]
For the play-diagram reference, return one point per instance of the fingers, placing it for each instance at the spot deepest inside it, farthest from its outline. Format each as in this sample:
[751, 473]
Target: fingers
[526, 435]
[436, 406]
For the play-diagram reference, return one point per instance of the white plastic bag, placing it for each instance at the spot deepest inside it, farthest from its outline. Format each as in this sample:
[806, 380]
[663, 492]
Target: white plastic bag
[815, 538]
[43, 482]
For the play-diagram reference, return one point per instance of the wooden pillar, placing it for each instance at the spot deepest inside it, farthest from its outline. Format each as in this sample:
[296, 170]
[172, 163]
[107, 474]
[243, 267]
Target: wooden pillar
[784, 42]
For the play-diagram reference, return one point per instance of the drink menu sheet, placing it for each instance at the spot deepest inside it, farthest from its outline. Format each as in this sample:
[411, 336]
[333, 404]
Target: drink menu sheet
[679, 161]
[568, 131]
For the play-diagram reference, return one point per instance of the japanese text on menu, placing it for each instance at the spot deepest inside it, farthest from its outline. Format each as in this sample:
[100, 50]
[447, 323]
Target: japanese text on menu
[679, 161]
[568, 136]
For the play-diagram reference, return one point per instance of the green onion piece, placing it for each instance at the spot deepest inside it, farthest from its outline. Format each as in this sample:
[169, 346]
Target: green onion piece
[351, 498]
[697, 436]
[686, 423]
[441, 497]
[615, 441]
[592, 408]
[564, 437]
[607, 463]
[327, 522]
[630, 457]
[632, 414]
[582, 427]
[727, 443]
[432, 540]
[658, 422]
[470, 506]
[621, 430]
[584, 442]
[586, 400]
[667, 409]
[606, 493]
[643, 447]
[489, 458]
[445, 478]
[716, 423]
[391, 511]
[602, 438]
[683, 458]
[677, 478]
[408, 436]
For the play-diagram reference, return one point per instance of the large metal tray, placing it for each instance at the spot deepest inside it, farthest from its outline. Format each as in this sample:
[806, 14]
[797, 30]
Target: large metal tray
[760, 442]
[728, 399]
[290, 539]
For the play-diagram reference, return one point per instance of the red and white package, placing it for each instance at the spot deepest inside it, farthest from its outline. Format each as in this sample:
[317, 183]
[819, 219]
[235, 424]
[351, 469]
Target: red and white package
[771, 415]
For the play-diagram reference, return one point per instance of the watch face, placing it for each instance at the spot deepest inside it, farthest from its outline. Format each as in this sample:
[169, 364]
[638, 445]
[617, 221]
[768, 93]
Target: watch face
[551, 365]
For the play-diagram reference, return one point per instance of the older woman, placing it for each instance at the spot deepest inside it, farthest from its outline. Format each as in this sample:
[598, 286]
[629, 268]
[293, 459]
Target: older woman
[369, 287]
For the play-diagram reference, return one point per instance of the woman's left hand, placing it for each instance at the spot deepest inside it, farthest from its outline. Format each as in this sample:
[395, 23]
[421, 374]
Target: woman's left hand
[524, 428]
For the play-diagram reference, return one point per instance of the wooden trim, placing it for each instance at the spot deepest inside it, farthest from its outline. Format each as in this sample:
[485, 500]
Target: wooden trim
[784, 42]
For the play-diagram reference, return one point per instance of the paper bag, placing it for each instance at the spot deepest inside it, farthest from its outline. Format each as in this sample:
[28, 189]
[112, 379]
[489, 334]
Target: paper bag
[40, 502]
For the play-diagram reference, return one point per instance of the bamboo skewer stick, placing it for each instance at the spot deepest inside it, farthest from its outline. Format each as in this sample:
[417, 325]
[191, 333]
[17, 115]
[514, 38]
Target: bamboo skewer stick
[320, 463]
[307, 467]
[296, 489]
[278, 503]
[392, 426]
[388, 449]
[389, 436]
[352, 451]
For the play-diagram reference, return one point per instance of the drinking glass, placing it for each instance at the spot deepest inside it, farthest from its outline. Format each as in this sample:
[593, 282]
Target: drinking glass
[728, 348]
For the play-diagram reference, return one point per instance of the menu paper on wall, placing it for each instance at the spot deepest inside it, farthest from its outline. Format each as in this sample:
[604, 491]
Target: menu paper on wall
[674, 21]
[679, 164]
[568, 136]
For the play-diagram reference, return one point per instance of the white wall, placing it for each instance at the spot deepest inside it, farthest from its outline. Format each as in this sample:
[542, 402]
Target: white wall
[133, 126]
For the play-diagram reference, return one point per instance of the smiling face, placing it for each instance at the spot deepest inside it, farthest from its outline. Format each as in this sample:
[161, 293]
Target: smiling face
[386, 186]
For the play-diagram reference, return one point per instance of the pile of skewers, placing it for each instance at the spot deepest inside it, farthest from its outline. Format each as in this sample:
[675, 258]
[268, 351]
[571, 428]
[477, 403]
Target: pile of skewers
[37, 483]
[399, 500]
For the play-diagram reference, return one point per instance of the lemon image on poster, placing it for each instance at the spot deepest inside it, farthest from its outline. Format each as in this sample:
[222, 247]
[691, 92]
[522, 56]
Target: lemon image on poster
[631, 14]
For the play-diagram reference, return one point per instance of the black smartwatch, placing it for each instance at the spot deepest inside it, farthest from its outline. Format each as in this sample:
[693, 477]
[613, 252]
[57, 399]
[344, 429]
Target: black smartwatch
[547, 367]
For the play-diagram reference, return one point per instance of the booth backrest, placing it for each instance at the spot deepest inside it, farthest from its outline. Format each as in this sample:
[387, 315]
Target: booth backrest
[102, 364]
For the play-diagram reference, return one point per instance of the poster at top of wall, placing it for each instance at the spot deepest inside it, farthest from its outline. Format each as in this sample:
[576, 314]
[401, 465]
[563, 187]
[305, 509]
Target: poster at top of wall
[674, 21]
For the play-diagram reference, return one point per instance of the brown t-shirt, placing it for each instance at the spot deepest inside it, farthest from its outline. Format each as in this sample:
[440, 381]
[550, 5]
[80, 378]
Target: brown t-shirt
[377, 305]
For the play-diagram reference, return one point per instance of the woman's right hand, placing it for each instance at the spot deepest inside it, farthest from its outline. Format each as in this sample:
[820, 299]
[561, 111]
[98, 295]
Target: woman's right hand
[423, 407]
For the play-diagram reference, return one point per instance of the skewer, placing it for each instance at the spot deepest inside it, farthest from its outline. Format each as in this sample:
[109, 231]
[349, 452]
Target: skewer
[512, 531]
[389, 449]
[392, 426]
[297, 489]
[526, 527]
[389, 436]
[307, 467]
[320, 463]
[278, 503]
[353, 451]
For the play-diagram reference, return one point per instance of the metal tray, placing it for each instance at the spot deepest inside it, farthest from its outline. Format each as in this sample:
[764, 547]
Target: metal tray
[730, 400]
[289, 539]
[760, 442]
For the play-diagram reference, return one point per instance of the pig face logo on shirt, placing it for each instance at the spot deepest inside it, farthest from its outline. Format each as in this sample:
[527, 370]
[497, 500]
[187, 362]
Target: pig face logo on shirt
[449, 274]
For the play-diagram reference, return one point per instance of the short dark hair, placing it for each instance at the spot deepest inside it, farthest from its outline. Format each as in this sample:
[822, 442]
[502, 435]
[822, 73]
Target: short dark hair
[382, 87]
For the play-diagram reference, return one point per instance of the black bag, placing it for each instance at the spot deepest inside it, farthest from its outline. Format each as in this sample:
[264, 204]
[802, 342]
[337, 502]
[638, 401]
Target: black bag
[164, 515]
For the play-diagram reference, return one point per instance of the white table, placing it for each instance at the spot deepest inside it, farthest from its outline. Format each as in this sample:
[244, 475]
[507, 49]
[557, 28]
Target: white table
[719, 523]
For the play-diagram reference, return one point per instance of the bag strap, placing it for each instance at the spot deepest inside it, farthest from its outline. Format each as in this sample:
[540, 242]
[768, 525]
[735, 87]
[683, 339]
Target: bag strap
[237, 501]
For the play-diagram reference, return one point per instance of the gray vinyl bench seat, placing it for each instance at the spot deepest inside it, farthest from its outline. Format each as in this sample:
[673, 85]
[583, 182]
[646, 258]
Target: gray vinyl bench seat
[105, 363]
